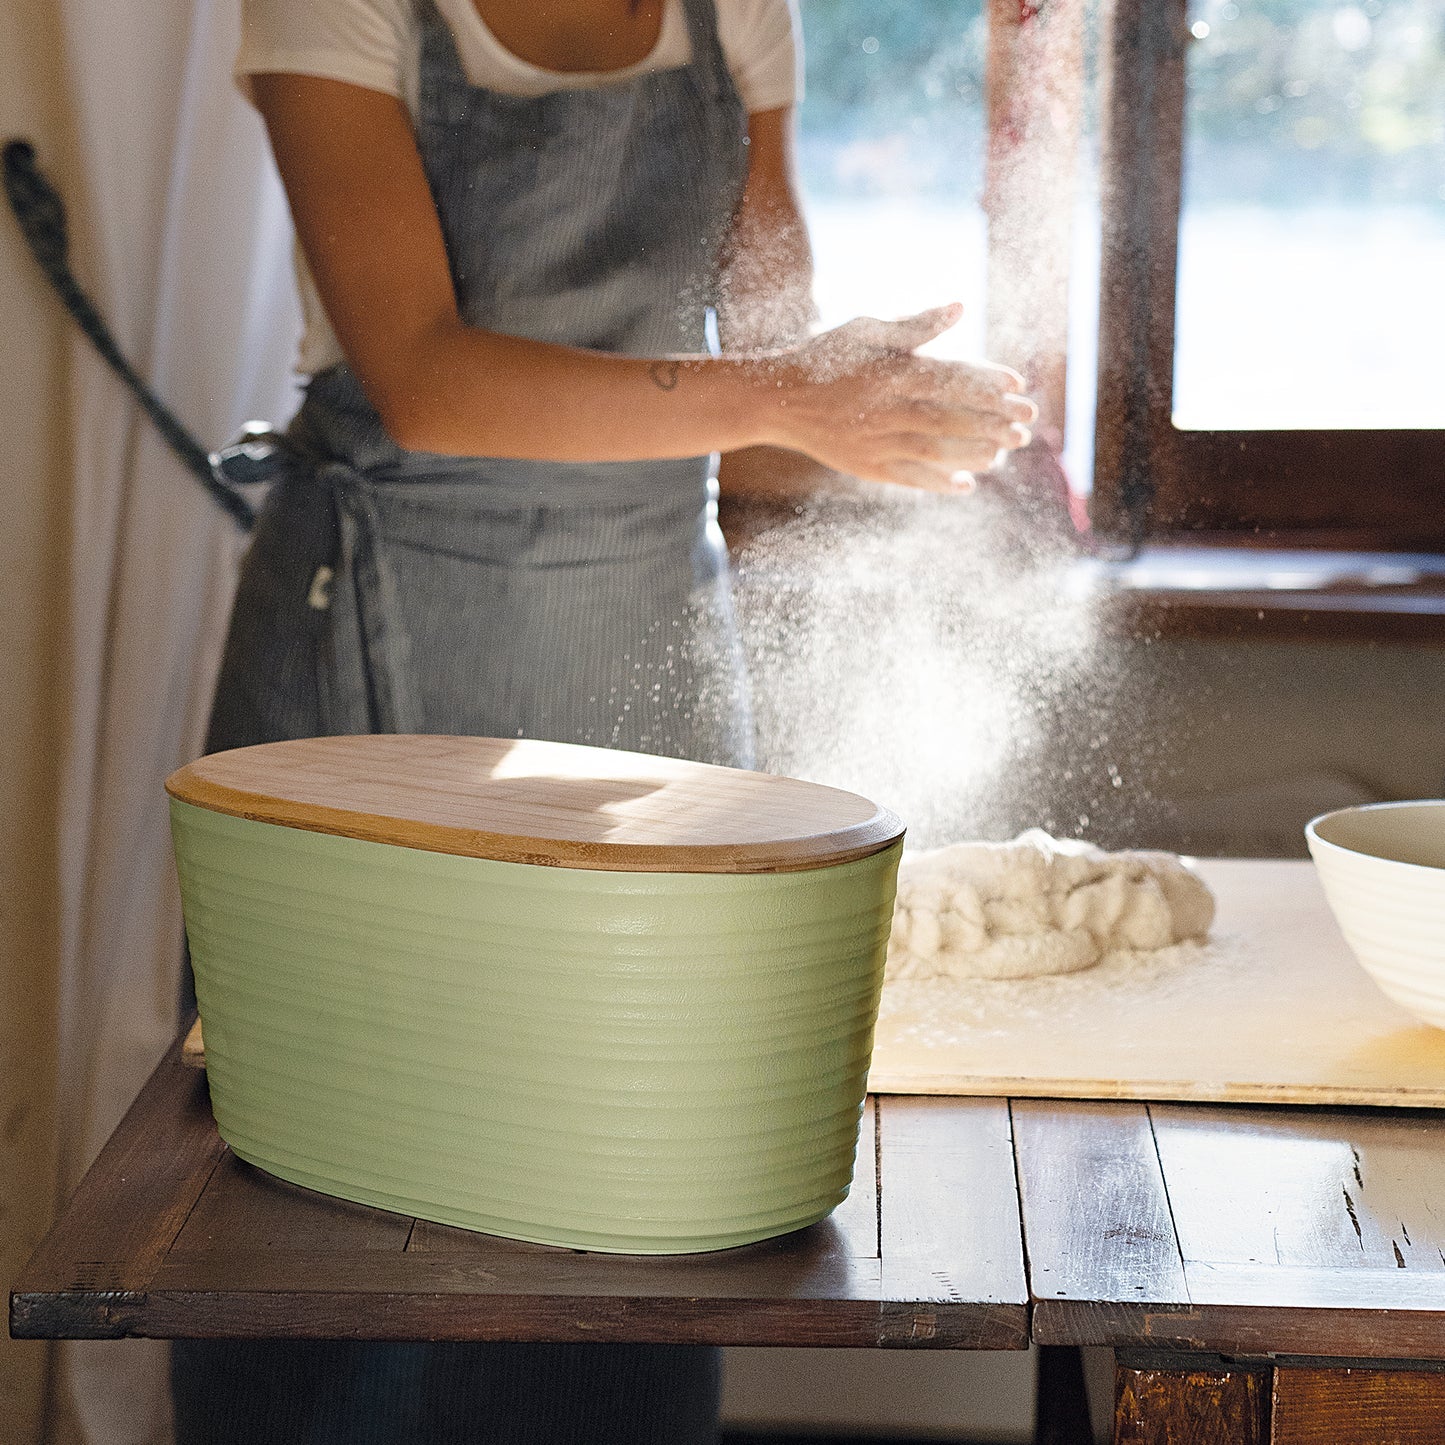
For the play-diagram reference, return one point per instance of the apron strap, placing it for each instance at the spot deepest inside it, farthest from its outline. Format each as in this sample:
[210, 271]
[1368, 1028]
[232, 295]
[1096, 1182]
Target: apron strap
[41, 214]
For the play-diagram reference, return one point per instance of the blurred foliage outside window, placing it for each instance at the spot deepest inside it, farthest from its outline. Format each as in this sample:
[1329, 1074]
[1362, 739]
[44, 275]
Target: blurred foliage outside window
[1313, 229]
[1296, 101]
[895, 97]
[1312, 236]
[1288, 99]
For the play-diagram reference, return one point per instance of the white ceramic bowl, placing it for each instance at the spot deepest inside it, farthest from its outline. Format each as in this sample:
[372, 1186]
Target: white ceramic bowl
[1383, 871]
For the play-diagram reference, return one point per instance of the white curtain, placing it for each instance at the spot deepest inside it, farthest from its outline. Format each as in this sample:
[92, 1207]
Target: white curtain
[181, 233]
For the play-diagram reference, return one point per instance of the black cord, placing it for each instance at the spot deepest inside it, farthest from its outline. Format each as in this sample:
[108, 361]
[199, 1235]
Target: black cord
[41, 214]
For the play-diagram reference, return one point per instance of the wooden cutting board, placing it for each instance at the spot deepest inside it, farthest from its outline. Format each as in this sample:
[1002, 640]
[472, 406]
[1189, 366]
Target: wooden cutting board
[1274, 1009]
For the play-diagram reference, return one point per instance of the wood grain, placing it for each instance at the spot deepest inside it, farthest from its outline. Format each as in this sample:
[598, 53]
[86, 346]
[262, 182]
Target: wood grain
[1297, 1189]
[1358, 1407]
[1222, 1406]
[89, 1275]
[1315, 1230]
[408, 1313]
[949, 1235]
[243, 1211]
[1384, 483]
[1238, 1231]
[799, 1290]
[1103, 1260]
[553, 804]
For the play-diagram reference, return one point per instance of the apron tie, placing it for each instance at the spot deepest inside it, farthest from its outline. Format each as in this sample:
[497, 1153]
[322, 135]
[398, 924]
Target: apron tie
[372, 688]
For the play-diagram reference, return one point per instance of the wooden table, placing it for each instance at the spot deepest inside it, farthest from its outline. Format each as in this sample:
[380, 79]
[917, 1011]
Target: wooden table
[1266, 1274]
[171, 1236]
[1263, 1273]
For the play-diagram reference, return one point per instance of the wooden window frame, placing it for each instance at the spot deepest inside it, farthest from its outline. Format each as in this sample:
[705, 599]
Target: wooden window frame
[1362, 489]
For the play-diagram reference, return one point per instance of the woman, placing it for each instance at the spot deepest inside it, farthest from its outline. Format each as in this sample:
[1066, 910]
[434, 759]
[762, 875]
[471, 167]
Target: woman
[515, 218]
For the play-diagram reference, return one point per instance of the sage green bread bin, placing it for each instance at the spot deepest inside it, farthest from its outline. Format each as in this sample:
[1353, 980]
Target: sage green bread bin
[562, 994]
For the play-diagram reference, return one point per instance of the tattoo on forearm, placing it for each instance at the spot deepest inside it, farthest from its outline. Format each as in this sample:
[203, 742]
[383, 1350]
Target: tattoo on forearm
[664, 374]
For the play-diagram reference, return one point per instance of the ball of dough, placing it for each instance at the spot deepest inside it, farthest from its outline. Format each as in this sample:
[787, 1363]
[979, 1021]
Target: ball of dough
[1038, 906]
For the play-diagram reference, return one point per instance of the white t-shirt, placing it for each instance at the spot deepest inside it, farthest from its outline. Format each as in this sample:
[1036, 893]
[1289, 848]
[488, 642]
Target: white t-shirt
[376, 44]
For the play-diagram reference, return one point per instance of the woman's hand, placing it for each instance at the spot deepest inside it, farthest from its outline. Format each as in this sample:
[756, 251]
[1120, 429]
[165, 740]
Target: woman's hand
[859, 400]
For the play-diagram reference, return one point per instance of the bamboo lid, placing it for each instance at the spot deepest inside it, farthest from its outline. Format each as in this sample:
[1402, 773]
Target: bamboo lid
[555, 804]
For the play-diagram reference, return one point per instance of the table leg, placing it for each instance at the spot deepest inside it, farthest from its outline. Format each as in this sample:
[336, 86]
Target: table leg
[1190, 1402]
[1062, 1406]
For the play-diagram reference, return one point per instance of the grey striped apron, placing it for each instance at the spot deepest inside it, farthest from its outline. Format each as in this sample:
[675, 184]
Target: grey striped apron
[394, 591]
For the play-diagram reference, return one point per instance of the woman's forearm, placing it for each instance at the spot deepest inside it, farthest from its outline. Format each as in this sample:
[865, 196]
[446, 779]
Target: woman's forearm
[857, 399]
[467, 392]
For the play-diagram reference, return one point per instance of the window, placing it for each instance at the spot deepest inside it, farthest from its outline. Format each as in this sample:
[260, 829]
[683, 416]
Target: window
[1273, 273]
[1270, 282]
[891, 152]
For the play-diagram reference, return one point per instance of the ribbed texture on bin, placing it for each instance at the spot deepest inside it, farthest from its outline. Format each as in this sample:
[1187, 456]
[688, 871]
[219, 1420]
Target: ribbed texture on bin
[633, 1062]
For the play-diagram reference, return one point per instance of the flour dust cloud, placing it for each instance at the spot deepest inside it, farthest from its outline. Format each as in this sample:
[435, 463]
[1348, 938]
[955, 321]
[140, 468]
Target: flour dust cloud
[935, 654]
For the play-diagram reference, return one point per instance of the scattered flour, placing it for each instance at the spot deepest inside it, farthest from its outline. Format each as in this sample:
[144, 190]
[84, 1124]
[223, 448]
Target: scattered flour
[1039, 906]
[964, 1027]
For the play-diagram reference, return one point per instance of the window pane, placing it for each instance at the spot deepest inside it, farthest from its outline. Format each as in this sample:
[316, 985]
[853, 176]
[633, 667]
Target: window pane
[1312, 234]
[892, 152]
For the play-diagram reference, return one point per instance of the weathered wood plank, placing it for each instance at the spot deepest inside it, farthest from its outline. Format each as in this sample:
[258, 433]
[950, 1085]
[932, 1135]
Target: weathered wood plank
[336, 1262]
[1266, 1327]
[93, 1268]
[1313, 1231]
[1221, 1406]
[1102, 1254]
[245, 1210]
[803, 1288]
[1301, 1288]
[411, 1314]
[754, 1273]
[949, 1231]
[1234, 1230]
[1358, 1407]
[1304, 1189]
